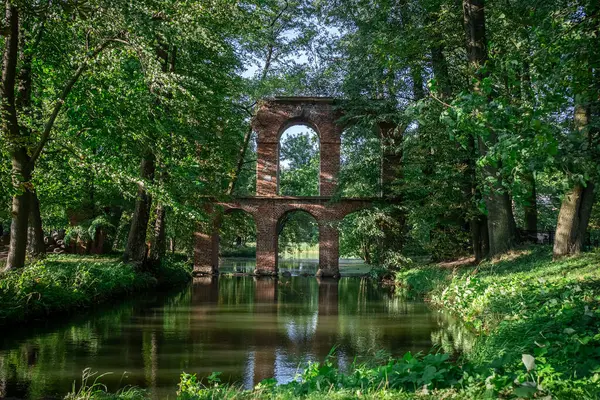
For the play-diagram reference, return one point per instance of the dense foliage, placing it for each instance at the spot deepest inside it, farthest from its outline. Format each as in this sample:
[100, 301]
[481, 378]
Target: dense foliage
[62, 284]
[143, 116]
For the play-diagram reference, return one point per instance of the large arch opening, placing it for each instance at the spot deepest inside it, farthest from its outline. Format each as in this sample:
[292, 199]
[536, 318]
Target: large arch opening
[237, 242]
[360, 162]
[299, 162]
[298, 243]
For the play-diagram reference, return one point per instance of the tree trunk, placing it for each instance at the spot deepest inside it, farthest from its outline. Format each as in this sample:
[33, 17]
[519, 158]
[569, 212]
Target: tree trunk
[159, 242]
[440, 71]
[36, 246]
[568, 223]
[500, 217]
[585, 212]
[19, 157]
[530, 209]
[18, 230]
[135, 250]
[576, 208]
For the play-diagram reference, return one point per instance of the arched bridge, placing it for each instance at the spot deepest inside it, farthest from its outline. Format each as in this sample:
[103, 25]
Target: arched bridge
[268, 208]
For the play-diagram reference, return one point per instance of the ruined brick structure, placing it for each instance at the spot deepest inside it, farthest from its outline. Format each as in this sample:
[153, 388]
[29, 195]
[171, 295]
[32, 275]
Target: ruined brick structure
[267, 207]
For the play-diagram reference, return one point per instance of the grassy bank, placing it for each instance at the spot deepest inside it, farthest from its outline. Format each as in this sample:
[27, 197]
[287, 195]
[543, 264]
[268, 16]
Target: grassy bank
[522, 303]
[536, 329]
[535, 326]
[64, 283]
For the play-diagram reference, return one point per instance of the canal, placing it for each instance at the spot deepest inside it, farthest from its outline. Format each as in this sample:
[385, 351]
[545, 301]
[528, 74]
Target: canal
[247, 328]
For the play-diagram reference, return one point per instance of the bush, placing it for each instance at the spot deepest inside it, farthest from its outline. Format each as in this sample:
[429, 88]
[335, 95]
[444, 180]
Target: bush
[430, 376]
[61, 283]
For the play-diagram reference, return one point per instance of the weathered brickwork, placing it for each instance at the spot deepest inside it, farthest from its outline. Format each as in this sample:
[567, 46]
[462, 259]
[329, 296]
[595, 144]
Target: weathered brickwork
[267, 214]
[268, 208]
[274, 117]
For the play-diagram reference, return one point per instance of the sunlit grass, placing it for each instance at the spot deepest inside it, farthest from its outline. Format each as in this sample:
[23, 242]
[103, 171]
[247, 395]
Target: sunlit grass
[61, 283]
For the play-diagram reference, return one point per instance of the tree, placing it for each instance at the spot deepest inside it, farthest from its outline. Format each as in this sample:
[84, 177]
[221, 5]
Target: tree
[24, 28]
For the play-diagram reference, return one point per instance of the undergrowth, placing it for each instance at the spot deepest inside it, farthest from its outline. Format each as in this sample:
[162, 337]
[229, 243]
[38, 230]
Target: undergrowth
[62, 283]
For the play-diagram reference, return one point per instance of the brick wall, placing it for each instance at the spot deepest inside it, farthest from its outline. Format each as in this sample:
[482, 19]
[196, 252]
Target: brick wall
[274, 117]
[267, 212]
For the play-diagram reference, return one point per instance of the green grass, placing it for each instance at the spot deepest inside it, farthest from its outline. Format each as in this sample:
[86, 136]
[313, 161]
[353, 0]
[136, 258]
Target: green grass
[63, 283]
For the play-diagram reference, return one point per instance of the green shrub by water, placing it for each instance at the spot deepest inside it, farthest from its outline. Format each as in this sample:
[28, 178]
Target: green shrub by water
[61, 283]
[525, 304]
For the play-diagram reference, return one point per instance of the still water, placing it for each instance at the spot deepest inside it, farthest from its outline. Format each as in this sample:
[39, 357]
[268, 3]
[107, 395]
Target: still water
[305, 263]
[247, 328]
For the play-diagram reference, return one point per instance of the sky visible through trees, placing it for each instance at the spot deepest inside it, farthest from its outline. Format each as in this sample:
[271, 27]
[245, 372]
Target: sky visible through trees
[122, 120]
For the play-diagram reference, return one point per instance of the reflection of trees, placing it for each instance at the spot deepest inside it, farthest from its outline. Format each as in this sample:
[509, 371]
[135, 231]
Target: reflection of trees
[246, 328]
[453, 336]
[44, 361]
[372, 319]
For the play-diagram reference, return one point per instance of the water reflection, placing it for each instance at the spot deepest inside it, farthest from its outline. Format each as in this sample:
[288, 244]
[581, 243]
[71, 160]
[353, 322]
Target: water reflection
[293, 266]
[247, 328]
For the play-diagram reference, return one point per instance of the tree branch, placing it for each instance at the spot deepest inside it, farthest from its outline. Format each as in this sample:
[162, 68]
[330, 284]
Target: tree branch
[442, 102]
[61, 100]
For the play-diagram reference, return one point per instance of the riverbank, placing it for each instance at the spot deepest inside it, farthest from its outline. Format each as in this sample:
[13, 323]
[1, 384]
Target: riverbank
[535, 328]
[534, 333]
[522, 303]
[60, 284]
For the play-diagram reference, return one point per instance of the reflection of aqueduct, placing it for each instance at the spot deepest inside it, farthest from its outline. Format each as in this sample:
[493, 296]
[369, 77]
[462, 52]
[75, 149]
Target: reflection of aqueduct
[268, 208]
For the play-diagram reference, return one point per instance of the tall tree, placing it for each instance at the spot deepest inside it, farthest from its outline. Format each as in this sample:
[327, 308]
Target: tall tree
[25, 149]
[500, 220]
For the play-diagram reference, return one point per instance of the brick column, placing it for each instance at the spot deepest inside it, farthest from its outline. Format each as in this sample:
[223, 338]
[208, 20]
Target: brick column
[329, 250]
[206, 253]
[330, 167]
[206, 244]
[266, 245]
[266, 168]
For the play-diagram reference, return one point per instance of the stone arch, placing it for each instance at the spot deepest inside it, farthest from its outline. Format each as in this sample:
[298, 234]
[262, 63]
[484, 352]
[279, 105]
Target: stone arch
[207, 260]
[219, 223]
[298, 208]
[274, 116]
[295, 121]
[281, 224]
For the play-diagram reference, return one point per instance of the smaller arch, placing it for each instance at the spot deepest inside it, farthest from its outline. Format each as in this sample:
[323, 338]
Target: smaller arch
[304, 178]
[295, 121]
[299, 208]
[298, 227]
[235, 240]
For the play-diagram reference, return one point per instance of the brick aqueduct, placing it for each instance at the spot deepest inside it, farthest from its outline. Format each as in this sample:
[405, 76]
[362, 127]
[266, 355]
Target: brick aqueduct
[267, 208]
